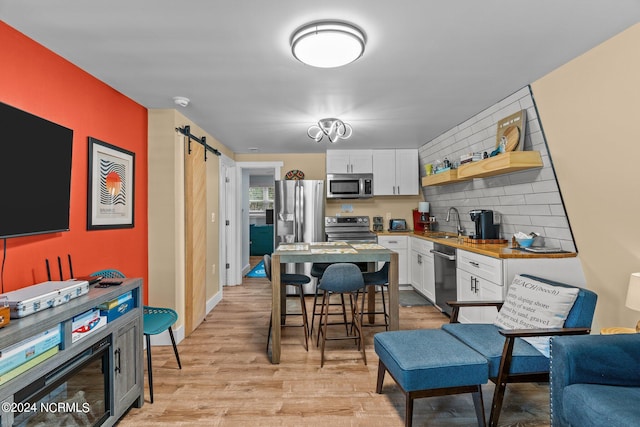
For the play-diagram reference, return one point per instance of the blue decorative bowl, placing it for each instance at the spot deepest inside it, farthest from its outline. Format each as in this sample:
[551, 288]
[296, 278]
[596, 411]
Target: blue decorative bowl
[525, 243]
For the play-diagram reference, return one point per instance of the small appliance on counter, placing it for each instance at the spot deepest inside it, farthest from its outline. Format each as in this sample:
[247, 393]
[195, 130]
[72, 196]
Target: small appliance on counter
[485, 227]
[378, 224]
[397, 224]
[421, 217]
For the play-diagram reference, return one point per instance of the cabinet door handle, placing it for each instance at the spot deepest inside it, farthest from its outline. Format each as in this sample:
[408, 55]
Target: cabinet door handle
[419, 259]
[117, 367]
[474, 285]
[475, 264]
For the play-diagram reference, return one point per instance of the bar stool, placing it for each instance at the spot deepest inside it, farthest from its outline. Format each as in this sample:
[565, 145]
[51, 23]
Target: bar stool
[341, 278]
[317, 270]
[371, 282]
[297, 280]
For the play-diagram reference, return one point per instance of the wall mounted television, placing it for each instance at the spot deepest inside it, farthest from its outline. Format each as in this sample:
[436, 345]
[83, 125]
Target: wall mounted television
[35, 174]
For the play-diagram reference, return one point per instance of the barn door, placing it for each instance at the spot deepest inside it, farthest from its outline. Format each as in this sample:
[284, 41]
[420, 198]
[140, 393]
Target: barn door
[195, 237]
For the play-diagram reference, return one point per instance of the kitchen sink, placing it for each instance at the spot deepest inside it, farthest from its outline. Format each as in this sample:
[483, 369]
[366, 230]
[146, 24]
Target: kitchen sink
[442, 236]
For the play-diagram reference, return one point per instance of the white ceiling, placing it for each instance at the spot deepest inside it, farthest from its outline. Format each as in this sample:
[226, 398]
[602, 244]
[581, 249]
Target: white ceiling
[428, 65]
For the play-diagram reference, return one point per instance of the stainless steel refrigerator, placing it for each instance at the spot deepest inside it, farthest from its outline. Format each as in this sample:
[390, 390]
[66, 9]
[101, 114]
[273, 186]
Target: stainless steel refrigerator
[299, 217]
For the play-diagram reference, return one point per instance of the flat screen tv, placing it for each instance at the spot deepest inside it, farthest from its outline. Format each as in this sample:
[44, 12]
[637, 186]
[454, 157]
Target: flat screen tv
[35, 174]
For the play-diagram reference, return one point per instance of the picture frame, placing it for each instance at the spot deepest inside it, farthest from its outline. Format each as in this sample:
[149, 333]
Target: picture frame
[110, 189]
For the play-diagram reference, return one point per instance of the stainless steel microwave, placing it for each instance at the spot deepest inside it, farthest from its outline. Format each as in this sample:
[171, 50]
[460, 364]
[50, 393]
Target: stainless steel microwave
[349, 186]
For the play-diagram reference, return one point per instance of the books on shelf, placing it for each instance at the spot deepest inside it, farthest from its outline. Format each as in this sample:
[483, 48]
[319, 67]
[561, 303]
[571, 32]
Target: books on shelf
[25, 350]
[86, 323]
[28, 365]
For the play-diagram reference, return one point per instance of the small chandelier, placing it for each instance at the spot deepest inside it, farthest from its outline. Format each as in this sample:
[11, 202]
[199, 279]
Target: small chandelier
[334, 129]
[327, 44]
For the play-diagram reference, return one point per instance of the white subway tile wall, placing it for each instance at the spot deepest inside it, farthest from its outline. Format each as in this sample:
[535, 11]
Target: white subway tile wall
[527, 201]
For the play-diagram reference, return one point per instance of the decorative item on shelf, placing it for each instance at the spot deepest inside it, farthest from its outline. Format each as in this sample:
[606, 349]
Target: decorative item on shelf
[328, 44]
[294, 174]
[510, 132]
[633, 295]
[333, 128]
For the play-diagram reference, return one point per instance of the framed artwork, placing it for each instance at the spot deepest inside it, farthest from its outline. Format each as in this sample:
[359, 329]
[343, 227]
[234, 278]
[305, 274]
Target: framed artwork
[110, 190]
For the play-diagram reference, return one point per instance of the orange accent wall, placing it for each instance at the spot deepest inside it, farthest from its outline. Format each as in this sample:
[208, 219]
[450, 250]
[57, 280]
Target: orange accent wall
[36, 80]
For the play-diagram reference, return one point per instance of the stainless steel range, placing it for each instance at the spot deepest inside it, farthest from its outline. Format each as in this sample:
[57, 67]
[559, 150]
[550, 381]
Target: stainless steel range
[352, 229]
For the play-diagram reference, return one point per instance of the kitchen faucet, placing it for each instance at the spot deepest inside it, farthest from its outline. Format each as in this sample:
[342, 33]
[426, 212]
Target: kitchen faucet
[460, 229]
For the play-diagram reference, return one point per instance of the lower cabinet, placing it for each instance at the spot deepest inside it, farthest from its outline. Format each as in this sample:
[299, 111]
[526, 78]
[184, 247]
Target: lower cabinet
[400, 245]
[127, 370]
[479, 278]
[484, 278]
[422, 268]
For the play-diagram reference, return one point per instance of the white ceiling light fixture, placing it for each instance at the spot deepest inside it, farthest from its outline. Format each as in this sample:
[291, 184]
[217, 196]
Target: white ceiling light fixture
[334, 129]
[181, 101]
[328, 44]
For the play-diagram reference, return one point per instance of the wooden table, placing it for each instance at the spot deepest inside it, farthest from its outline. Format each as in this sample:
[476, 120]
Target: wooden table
[329, 252]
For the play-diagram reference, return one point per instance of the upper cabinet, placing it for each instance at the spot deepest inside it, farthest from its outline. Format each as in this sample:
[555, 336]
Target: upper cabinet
[349, 161]
[396, 172]
[512, 161]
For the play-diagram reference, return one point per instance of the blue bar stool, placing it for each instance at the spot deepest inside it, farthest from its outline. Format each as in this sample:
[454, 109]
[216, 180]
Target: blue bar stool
[155, 321]
[341, 278]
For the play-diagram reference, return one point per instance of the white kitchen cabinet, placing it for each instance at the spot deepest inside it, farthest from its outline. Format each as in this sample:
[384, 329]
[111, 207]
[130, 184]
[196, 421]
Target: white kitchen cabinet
[421, 267]
[484, 278]
[349, 161]
[396, 172]
[479, 278]
[400, 245]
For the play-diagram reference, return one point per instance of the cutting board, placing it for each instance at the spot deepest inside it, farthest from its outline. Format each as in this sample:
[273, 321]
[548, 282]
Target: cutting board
[511, 130]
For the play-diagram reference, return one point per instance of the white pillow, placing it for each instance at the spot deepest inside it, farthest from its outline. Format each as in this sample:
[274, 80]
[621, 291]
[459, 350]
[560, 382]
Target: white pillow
[531, 304]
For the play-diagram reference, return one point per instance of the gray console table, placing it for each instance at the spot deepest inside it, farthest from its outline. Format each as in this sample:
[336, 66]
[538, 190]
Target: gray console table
[119, 344]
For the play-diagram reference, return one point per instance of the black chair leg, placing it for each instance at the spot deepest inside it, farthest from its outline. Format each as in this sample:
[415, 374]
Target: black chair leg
[149, 369]
[175, 348]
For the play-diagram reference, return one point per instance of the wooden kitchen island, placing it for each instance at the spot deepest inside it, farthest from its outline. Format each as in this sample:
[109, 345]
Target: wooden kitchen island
[329, 252]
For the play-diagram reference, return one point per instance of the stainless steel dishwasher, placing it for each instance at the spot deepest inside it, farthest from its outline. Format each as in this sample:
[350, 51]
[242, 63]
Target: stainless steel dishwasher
[445, 271]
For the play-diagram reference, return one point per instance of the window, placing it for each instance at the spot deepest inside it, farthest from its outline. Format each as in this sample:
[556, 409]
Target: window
[260, 199]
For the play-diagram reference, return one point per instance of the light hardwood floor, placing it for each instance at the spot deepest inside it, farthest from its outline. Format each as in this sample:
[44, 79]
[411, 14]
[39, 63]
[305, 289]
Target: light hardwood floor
[227, 379]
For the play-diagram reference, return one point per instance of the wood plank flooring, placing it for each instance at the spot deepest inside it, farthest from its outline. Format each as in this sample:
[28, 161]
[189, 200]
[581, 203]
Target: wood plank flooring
[227, 379]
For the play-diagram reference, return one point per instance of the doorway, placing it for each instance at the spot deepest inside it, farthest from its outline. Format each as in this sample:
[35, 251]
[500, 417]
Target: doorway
[239, 246]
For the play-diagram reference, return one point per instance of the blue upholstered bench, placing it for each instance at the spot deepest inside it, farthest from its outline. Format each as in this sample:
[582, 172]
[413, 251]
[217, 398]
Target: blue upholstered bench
[430, 362]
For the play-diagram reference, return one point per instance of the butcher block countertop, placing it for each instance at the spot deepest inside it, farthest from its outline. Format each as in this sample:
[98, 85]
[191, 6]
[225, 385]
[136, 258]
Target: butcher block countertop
[502, 250]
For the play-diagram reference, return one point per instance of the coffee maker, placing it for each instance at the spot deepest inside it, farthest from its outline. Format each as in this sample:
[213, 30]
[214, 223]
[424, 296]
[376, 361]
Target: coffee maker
[485, 227]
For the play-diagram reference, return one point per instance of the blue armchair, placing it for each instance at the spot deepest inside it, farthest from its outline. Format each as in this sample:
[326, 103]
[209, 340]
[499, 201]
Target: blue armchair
[595, 380]
[511, 359]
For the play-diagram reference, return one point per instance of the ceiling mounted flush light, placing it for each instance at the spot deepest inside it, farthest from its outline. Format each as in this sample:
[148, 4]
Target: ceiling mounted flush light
[328, 44]
[334, 129]
[181, 101]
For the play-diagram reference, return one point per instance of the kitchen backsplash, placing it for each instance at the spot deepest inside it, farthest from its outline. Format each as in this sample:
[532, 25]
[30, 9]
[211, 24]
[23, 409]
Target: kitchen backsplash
[526, 201]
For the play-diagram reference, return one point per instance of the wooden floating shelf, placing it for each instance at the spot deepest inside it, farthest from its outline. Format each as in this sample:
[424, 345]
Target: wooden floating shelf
[446, 177]
[511, 161]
